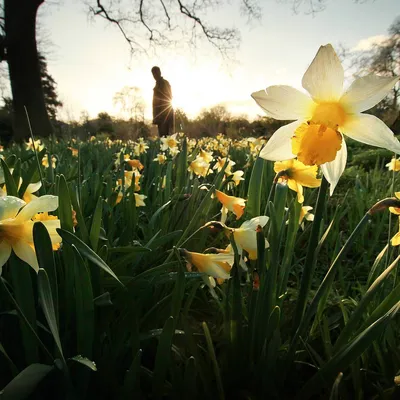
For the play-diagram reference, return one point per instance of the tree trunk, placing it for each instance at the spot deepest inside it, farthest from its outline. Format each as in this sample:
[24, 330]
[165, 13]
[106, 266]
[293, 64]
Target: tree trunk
[23, 65]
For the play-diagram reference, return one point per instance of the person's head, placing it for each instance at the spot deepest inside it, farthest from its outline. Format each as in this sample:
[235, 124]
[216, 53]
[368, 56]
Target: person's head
[156, 72]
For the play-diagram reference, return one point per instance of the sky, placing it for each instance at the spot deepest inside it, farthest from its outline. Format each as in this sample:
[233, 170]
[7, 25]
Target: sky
[91, 61]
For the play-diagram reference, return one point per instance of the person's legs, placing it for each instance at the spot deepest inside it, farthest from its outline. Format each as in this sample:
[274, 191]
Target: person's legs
[163, 129]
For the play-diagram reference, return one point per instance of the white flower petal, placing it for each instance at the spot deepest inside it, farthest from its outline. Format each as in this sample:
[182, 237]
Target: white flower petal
[279, 146]
[9, 206]
[33, 187]
[254, 222]
[41, 204]
[370, 130]
[25, 252]
[5, 252]
[333, 170]
[324, 77]
[366, 92]
[284, 102]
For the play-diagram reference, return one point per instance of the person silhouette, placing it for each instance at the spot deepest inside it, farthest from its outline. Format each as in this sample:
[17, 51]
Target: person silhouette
[163, 113]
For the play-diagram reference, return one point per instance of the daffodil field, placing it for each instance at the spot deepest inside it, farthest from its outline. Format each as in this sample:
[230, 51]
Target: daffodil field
[175, 268]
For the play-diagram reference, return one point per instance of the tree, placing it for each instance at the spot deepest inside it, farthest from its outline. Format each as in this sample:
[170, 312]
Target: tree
[19, 49]
[130, 99]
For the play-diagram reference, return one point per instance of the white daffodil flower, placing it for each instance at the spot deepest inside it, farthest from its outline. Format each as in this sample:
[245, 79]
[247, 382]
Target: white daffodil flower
[316, 136]
[16, 227]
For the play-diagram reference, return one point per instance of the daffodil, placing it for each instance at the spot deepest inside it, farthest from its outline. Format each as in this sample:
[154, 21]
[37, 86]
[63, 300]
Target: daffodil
[305, 215]
[316, 136]
[199, 167]
[221, 163]
[30, 189]
[139, 200]
[297, 175]
[74, 151]
[237, 177]
[216, 265]
[393, 165]
[140, 147]
[16, 227]
[135, 164]
[169, 142]
[245, 237]
[161, 158]
[31, 145]
[230, 203]
[395, 210]
[45, 162]
[206, 156]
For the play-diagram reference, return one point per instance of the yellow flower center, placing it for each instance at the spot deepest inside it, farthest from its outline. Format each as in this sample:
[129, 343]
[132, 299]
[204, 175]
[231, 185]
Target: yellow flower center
[318, 141]
[330, 115]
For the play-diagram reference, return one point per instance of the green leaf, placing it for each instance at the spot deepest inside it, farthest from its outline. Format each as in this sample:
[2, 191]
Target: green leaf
[190, 391]
[253, 205]
[357, 315]
[163, 357]
[30, 173]
[132, 377]
[84, 361]
[64, 207]
[346, 356]
[85, 250]
[24, 384]
[84, 306]
[25, 298]
[9, 181]
[45, 256]
[46, 300]
[96, 224]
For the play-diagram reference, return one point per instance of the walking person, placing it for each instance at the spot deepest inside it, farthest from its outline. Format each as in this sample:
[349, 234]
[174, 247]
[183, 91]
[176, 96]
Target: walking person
[163, 113]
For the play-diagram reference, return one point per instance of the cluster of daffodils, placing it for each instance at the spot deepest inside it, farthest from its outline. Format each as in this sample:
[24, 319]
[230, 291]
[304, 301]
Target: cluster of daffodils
[17, 218]
[131, 179]
[321, 120]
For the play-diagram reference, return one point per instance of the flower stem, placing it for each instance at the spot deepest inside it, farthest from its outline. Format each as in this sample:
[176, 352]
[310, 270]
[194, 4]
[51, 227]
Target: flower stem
[309, 265]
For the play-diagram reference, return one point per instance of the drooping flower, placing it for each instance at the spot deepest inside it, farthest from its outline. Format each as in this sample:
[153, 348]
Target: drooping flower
[297, 175]
[316, 136]
[16, 227]
[230, 203]
[216, 265]
[395, 210]
[237, 176]
[394, 165]
[136, 164]
[305, 215]
[139, 200]
[245, 237]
